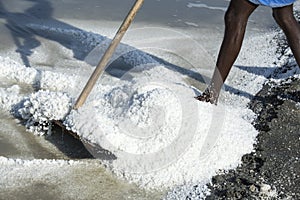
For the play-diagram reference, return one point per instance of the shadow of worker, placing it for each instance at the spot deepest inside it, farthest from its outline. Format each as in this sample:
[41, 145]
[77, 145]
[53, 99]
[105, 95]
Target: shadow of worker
[24, 40]
[38, 21]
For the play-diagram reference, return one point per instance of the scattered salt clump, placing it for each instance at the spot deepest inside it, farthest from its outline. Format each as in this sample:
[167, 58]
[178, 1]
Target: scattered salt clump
[40, 108]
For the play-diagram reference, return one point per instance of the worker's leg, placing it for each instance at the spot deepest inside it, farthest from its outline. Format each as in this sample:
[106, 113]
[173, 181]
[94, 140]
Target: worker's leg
[287, 22]
[236, 18]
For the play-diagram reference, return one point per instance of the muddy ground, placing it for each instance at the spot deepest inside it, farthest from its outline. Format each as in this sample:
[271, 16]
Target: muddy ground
[272, 171]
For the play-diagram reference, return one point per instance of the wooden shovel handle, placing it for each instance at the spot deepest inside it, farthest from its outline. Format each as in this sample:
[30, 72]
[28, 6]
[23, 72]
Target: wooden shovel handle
[108, 54]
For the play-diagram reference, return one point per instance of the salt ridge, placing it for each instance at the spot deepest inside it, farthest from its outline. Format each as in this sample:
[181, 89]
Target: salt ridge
[19, 172]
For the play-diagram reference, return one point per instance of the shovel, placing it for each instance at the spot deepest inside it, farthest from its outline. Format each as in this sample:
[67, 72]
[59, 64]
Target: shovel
[93, 148]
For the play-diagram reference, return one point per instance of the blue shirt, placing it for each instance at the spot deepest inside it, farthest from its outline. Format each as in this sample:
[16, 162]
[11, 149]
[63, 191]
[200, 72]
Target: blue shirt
[273, 3]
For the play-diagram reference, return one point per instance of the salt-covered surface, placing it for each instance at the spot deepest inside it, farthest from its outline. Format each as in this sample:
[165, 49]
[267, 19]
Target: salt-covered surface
[148, 120]
[61, 179]
[159, 134]
[145, 116]
[18, 172]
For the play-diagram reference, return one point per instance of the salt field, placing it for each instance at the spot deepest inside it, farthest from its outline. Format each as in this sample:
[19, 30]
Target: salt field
[144, 135]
